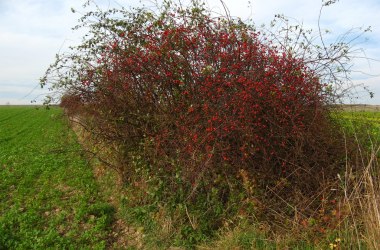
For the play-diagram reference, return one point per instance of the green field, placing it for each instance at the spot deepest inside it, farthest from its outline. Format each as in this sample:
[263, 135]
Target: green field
[371, 116]
[48, 195]
[356, 120]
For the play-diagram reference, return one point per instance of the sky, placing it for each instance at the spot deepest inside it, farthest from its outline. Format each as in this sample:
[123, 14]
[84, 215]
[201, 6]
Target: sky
[32, 32]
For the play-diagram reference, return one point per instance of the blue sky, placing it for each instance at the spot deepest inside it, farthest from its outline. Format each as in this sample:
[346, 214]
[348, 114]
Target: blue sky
[33, 31]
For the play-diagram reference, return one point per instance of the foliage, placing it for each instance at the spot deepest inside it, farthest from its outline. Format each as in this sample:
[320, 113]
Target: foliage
[200, 90]
[208, 114]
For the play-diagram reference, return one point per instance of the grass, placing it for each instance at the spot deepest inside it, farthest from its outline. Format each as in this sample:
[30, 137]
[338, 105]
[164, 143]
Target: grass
[362, 190]
[49, 197]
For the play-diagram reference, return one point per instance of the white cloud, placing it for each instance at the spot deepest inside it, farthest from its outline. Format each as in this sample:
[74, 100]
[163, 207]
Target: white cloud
[338, 18]
[33, 31]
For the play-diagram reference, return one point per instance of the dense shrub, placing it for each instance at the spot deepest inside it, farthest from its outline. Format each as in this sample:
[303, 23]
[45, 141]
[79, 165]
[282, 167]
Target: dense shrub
[202, 90]
[201, 98]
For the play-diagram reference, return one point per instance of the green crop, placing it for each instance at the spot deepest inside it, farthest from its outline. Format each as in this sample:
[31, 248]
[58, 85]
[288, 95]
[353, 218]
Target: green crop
[48, 195]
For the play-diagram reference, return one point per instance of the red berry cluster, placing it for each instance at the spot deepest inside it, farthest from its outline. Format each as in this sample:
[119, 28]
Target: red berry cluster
[205, 91]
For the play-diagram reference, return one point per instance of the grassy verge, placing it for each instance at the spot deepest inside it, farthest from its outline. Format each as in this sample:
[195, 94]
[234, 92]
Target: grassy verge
[49, 197]
[362, 188]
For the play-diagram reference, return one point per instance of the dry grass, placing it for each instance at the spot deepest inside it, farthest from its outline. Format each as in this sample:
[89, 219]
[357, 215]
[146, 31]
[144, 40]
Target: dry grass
[360, 107]
[362, 197]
